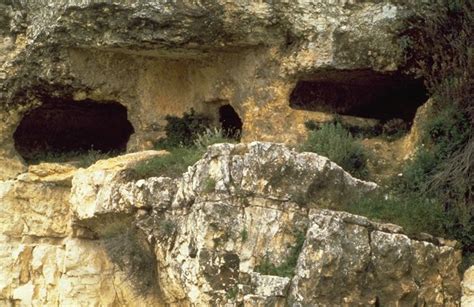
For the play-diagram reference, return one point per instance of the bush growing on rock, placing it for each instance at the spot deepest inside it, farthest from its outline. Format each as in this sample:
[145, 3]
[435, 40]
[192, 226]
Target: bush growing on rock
[182, 131]
[335, 142]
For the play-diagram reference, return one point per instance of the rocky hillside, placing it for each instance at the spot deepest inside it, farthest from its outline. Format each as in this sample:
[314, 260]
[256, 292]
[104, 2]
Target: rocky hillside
[267, 61]
[243, 225]
[250, 224]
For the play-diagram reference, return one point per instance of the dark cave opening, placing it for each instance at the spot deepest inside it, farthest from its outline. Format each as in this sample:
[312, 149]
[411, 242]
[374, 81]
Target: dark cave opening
[64, 126]
[360, 93]
[230, 122]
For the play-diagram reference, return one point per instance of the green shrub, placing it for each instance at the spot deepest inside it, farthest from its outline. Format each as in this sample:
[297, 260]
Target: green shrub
[166, 228]
[182, 131]
[336, 143]
[439, 47]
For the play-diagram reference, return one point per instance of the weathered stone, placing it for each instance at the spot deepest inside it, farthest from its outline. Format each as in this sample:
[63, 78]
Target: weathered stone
[468, 288]
[96, 190]
[221, 246]
[164, 57]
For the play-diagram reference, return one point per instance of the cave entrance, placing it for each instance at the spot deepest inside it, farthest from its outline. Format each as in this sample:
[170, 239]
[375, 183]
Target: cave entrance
[66, 127]
[360, 93]
[230, 122]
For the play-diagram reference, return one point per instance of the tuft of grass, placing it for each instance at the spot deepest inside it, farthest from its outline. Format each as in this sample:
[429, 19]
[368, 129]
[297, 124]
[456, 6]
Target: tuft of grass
[172, 165]
[210, 137]
[335, 142]
[244, 235]
[287, 267]
[232, 293]
[414, 213]
[180, 157]
[182, 131]
[166, 228]
[209, 185]
[132, 255]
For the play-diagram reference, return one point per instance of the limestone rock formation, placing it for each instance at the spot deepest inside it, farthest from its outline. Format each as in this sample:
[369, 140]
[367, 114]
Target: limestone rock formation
[164, 57]
[468, 288]
[244, 225]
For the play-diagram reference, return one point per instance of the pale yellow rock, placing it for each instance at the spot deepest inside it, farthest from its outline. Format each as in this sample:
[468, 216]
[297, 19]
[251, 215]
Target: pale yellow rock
[468, 288]
[95, 190]
[34, 208]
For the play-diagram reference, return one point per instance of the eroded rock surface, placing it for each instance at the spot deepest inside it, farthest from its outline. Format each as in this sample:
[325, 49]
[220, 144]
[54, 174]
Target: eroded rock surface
[244, 225]
[160, 57]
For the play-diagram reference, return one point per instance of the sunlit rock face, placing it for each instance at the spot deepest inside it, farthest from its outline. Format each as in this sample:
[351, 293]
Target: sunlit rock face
[157, 58]
[244, 225]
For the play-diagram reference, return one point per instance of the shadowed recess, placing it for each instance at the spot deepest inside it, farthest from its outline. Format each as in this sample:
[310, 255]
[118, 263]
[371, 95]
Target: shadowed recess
[230, 122]
[62, 126]
[361, 93]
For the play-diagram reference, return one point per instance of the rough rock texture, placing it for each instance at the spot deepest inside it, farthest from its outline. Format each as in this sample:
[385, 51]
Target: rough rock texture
[164, 57]
[244, 225]
[45, 260]
[468, 288]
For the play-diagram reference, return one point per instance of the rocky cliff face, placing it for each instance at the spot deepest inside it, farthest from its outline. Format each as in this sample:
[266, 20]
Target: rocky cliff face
[164, 57]
[244, 225]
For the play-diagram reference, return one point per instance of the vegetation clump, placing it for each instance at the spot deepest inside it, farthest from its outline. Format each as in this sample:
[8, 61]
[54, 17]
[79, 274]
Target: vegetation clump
[439, 48]
[129, 251]
[335, 142]
[187, 139]
[435, 191]
[287, 267]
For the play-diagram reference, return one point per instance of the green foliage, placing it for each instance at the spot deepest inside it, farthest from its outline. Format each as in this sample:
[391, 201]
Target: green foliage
[336, 143]
[439, 47]
[209, 185]
[181, 156]
[244, 235]
[287, 267]
[182, 131]
[166, 228]
[130, 252]
[172, 165]
[232, 293]
[447, 131]
[210, 137]
[411, 211]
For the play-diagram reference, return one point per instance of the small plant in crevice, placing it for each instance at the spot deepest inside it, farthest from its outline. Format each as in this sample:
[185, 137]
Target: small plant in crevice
[335, 142]
[130, 252]
[209, 185]
[244, 235]
[232, 293]
[287, 267]
[166, 228]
